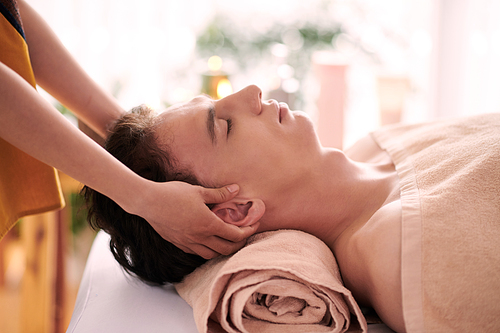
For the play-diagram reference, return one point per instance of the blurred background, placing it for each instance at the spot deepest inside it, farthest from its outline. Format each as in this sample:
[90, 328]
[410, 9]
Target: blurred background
[353, 65]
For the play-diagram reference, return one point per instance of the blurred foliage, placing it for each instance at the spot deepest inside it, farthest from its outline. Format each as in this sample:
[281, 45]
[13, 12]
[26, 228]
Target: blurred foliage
[61, 108]
[78, 213]
[246, 46]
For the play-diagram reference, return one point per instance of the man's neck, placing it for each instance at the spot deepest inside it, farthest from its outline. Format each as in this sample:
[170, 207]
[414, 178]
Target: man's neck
[338, 196]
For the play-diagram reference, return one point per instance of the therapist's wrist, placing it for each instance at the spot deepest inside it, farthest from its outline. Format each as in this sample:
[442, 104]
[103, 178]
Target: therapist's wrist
[136, 196]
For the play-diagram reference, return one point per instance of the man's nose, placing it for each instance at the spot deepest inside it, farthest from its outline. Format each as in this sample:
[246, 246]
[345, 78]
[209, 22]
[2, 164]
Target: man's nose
[247, 100]
[253, 98]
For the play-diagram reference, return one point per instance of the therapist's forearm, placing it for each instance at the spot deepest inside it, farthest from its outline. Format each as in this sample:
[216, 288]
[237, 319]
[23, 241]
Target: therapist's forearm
[57, 72]
[30, 123]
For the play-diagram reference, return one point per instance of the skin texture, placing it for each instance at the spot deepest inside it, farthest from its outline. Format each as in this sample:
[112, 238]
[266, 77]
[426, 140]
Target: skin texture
[288, 179]
[33, 125]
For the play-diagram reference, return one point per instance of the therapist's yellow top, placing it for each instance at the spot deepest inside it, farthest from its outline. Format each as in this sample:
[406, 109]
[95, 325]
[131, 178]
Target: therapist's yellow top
[27, 186]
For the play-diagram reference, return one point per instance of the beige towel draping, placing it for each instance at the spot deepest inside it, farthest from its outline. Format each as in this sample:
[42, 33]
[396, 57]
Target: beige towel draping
[281, 281]
[450, 193]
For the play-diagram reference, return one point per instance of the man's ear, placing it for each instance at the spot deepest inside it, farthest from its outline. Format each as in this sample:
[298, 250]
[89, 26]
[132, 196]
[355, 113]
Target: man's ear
[240, 212]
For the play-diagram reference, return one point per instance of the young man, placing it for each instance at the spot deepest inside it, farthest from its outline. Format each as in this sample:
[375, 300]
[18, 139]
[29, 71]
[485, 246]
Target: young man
[392, 208]
[31, 130]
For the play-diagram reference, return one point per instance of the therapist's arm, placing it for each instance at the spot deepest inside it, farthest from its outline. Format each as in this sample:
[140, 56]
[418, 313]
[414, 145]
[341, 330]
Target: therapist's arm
[177, 211]
[57, 72]
[34, 126]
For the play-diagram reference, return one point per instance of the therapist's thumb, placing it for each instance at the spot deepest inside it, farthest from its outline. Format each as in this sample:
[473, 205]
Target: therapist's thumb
[220, 195]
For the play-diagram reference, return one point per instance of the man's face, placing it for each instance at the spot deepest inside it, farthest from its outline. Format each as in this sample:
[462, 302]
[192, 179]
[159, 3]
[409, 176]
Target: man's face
[260, 145]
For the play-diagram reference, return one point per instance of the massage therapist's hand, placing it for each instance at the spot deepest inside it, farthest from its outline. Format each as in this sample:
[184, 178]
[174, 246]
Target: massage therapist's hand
[184, 219]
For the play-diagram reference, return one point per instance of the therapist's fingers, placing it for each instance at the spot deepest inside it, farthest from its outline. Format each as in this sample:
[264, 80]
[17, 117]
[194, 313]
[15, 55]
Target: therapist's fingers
[224, 247]
[221, 238]
[213, 246]
[198, 249]
[201, 250]
[229, 238]
[235, 234]
[219, 195]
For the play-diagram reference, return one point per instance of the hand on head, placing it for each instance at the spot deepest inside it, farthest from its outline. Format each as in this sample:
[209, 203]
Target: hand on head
[192, 226]
[179, 223]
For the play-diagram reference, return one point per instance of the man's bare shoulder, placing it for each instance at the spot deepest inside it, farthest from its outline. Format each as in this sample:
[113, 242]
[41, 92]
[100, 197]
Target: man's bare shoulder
[379, 245]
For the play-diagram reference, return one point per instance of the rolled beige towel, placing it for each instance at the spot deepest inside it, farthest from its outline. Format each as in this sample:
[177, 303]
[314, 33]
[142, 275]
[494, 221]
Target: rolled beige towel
[281, 281]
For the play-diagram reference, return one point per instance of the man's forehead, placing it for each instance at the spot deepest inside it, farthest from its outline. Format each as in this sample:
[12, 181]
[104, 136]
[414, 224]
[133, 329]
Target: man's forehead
[198, 101]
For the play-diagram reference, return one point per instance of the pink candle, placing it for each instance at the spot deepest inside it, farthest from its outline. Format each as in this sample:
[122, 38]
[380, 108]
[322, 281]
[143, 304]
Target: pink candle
[330, 69]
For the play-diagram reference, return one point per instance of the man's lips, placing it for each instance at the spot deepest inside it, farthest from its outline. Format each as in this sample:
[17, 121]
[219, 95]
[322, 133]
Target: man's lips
[281, 108]
[283, 111]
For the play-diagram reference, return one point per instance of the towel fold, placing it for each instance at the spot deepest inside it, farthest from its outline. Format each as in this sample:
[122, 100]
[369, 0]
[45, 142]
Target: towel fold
[449, 175]
[281, 281]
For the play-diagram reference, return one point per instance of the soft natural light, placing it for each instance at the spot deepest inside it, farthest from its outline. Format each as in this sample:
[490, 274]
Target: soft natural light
[224, 88]
[214, 63]
[146, 53]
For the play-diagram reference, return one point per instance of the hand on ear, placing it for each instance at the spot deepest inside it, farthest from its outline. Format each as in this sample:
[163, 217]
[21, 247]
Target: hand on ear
[240, 212]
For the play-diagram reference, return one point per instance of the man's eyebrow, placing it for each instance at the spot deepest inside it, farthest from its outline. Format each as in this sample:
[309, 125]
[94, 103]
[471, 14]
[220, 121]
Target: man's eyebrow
[211, 124]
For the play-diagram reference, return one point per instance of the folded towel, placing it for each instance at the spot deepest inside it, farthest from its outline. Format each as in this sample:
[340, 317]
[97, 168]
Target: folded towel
[281, 281]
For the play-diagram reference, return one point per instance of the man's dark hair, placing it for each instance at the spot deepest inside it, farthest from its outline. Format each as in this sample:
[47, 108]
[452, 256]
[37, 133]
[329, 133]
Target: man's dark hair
[134, 243]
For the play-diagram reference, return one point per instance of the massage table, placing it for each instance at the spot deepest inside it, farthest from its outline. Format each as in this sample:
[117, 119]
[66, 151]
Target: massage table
[109, 300]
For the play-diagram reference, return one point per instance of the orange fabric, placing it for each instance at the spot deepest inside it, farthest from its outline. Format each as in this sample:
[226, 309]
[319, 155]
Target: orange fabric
[27, 186]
